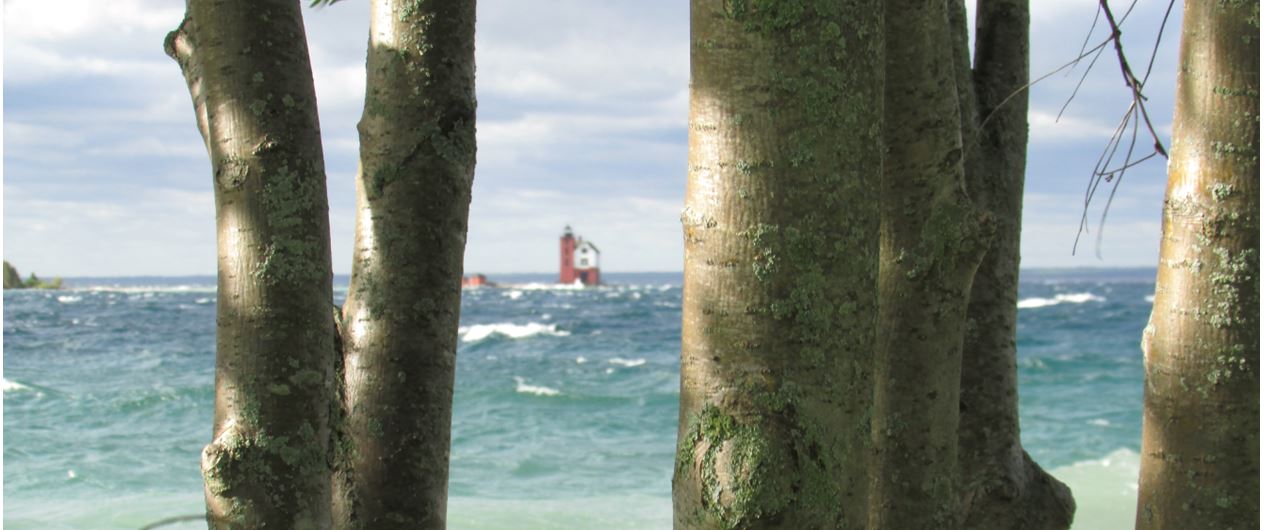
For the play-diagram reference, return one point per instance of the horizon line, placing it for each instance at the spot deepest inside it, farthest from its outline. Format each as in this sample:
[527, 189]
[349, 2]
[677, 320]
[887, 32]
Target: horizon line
[204, 275]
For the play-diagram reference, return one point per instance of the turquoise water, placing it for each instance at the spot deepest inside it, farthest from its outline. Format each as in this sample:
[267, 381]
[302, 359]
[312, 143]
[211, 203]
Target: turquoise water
[565, 411]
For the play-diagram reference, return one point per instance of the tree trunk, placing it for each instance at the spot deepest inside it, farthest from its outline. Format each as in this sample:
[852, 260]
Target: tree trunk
[931, 239]
[1199, 465]
[779, 297]
[248, 72]
[401, 316]
[1002, 488]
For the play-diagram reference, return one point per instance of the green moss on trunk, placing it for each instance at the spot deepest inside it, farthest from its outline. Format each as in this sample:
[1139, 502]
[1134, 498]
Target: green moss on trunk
[780, 264]
[268, 464]
[401, 317]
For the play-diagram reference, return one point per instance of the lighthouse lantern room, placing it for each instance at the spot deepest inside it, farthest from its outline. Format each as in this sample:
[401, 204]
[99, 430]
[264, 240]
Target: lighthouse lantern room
[578, 259]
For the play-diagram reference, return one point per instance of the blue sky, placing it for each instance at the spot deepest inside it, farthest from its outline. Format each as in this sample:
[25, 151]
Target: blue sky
[582, 121]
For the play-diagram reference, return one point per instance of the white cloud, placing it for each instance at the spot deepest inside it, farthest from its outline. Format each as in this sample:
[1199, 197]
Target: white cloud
[571, 92]
[24, 136]
[517, 230]
[161, 232]
[1044, 127]
[26, 63]
[61, 20]
[583, 70]
[150, 146]
[1129, 237]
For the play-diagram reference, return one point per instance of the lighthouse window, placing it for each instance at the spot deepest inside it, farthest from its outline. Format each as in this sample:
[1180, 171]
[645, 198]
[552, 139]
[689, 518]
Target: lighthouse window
[585, 262]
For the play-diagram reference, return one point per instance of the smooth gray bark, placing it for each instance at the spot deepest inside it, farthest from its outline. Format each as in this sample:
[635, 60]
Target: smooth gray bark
[779, 295]
[400, 321]
[247, 67]
[1199, 465]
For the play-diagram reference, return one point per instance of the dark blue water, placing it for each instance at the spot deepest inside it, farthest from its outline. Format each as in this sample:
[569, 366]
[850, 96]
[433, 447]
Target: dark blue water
[565, 411]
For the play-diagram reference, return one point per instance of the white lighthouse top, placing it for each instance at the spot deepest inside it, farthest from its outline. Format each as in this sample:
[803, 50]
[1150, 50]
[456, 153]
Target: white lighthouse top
[586, 255]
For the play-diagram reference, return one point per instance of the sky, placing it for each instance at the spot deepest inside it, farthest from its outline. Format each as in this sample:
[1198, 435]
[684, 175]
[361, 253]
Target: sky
[581, 122]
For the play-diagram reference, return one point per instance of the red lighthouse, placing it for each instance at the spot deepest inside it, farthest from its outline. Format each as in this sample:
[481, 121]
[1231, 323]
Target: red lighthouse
[578, 259]
[567, 247]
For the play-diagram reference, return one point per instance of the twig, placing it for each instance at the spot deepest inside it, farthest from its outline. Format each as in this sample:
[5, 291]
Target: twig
[174, 520]
[1136, 112]
[1080, 82]
[1009, 97]
[1137, 88]
[1157, 43]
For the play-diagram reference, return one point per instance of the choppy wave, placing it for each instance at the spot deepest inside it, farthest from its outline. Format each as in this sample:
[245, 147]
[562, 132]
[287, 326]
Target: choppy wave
[536, 286]
[140, 289]
[1105, 490]
[480, 332]
[10, 386]
[627, 363]
[523, 387]
[1071, 298]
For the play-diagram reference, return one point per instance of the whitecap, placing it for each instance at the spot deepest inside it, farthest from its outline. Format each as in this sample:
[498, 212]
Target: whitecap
[480, 332]
[536, 286]
[1072, 298]
[627, 363]
[202, 301]
[1033, 363]
[67, 299]
[1150, 298]
[581, 360]
[1099, 422]
[10, 386]
[536, 390]
[513, 295]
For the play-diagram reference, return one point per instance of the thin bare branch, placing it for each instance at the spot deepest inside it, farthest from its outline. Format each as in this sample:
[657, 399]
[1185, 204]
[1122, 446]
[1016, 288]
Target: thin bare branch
[1014, 93]
[1080, 81]
[1157, 43]
[1090, 32]
[174, 520]
[1106, 169]
[1128, 76]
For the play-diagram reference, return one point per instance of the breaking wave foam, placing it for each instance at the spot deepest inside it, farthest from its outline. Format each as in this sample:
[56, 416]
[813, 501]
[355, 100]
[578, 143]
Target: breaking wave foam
[1105, 490]
[10, 386]
[627, 363]
[480, 332]
[1073, 298]
[538, 286]
[523, 387]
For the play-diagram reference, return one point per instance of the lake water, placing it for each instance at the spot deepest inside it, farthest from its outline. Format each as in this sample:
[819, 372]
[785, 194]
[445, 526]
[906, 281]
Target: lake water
[565, 410]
